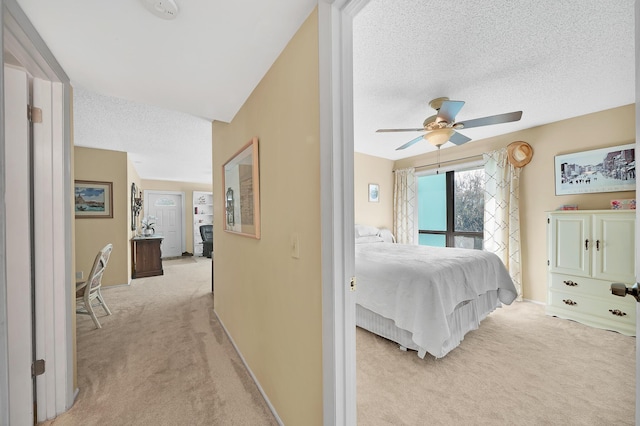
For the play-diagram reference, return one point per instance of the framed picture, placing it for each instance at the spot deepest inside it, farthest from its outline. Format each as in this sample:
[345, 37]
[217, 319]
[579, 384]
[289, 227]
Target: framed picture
[610, 169]
[93, 199]
[241, 190]
[374, 193]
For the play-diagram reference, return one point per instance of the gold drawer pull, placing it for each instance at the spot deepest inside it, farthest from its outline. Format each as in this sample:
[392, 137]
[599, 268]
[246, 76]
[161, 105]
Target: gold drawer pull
[570, 283]
[569, 302]
[617, 312]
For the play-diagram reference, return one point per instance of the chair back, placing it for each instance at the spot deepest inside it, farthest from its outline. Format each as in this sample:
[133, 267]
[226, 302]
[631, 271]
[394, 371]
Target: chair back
[94, 280]
[206, 232]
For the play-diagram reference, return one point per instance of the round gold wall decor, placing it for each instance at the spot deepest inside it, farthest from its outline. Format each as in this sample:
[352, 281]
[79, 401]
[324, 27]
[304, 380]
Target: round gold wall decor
[519, 153]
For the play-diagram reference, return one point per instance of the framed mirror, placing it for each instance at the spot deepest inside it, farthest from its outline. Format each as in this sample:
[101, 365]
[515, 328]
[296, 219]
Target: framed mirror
[241, 189]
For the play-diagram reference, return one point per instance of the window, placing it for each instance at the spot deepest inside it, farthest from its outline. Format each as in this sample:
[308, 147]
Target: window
[451, 209]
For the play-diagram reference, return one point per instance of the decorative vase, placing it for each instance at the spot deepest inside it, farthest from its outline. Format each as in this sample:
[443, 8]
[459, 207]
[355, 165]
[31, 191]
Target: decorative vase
[147, 232]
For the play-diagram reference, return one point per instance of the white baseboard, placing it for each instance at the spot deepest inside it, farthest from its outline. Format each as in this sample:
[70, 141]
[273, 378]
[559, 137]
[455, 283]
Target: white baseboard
[107, 287]
[535, 301]
[253, 377]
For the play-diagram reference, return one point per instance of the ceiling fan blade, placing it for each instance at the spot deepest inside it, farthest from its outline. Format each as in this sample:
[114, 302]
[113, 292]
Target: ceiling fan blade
[408, 144]
[449, 110]
[493, 119]
[421, 129]
[459, 138]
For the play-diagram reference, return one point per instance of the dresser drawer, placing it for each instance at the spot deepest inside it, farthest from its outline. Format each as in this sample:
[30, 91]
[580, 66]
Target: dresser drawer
[586, 286]
[611, 308]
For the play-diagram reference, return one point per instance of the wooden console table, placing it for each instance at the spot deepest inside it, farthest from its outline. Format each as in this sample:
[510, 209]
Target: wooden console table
[146, 257]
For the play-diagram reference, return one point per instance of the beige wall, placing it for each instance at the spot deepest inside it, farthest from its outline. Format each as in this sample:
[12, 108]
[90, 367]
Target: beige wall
[93, 234]
[271, 303]
[369, 169]
[187, 188]
[537, 188]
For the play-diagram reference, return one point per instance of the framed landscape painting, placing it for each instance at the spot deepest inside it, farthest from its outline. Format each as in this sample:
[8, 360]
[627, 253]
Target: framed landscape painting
[93, 199]
[610, 169]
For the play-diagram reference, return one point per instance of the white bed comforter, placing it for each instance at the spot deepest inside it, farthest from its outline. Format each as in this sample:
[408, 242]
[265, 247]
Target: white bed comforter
[418, 286]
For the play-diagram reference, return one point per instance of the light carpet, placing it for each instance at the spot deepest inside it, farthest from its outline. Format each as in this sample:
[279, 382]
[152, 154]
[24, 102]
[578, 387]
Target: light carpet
[162, 358]
[519, 368]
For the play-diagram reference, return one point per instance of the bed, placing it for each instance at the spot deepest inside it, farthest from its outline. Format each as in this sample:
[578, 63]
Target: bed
[425, 298]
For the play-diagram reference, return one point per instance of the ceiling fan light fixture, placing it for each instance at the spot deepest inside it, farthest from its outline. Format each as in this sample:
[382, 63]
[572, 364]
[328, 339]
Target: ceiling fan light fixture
[441, 128]
[439, 137]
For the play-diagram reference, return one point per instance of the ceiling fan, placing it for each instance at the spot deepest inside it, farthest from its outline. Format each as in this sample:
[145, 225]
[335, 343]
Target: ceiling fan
[442, 127]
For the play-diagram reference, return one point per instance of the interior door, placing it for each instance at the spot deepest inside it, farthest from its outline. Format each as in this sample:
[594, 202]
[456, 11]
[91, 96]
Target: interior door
[637, 236]
[18, 234]
[167, 209]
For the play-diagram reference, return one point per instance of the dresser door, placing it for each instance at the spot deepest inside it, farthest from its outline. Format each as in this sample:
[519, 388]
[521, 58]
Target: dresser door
[614, 247]
[570, 244]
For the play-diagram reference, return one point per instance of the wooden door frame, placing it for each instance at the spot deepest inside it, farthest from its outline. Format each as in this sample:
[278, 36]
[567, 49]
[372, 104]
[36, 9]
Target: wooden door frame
[56, 387]
[335, 33]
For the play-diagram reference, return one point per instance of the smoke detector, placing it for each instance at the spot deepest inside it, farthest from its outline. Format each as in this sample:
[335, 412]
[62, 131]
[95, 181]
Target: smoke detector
[165, 9]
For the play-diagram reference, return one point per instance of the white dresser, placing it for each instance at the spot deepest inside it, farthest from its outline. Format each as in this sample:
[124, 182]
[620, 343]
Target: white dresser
[587, 251]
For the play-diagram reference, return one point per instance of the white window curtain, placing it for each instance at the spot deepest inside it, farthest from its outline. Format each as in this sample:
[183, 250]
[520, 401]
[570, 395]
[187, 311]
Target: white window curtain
[502, 212]
[404, 205]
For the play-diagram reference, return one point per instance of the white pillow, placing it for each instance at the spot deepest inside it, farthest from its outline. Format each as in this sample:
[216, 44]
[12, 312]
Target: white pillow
[369, 239]
[366, 231]
[387, 236]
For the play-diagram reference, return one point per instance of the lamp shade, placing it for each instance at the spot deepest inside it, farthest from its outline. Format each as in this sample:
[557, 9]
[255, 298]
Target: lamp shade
[439, 137]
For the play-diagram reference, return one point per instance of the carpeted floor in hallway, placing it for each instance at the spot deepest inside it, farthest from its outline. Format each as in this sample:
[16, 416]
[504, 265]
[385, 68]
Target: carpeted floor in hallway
[162, 358]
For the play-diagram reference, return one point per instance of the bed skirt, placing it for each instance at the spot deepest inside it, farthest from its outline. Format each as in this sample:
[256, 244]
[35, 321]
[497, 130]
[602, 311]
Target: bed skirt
[465, 317]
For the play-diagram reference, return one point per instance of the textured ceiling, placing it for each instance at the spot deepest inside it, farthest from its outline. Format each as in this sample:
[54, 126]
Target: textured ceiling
[204, 63]
[163, 144]
[551, 59]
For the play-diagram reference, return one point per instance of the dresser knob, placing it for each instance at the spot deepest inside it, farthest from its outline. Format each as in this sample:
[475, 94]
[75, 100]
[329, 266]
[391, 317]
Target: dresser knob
[570, 283]
[617, 312]
[569, 302]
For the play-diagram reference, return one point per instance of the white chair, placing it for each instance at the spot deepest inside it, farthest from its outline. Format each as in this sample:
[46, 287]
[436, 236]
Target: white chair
[88, 291]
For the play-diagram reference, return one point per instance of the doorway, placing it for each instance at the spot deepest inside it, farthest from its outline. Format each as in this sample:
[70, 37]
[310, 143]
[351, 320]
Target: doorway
[41, 193]
[166, 210]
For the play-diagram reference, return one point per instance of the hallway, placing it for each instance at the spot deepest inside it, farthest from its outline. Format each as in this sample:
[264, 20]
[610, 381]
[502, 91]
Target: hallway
[162, 358]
